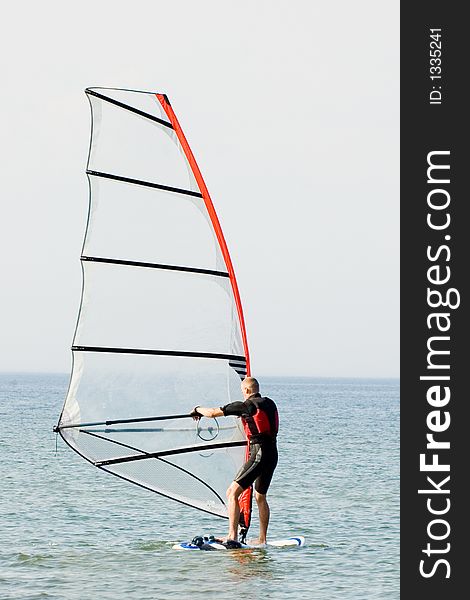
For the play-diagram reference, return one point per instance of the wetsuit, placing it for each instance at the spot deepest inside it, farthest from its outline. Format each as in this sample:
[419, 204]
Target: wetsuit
[261, 422]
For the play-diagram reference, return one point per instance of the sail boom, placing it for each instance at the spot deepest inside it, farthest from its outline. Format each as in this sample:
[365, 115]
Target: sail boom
[118, 421]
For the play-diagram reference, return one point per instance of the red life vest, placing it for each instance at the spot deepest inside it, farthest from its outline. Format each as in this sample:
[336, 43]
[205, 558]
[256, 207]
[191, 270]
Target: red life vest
[263, 424]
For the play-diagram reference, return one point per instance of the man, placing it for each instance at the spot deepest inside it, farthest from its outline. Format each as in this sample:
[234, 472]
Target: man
[261, 422]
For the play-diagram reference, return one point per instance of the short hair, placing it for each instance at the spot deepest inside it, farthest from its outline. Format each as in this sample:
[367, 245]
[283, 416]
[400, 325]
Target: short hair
[251, 384]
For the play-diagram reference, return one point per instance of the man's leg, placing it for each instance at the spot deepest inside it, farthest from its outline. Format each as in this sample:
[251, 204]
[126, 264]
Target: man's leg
[263, 508]
[233, 493]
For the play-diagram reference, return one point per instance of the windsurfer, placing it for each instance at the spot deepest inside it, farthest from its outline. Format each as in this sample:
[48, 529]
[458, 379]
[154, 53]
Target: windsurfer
[261, 422]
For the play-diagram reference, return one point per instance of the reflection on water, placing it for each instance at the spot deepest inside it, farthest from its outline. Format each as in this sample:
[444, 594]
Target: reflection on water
[249, 563]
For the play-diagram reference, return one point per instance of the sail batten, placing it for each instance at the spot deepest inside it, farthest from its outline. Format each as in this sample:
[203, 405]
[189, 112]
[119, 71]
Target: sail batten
[133, 263]
[160, 327]
[150, 184]
[129, 108]
[156, 352]
[171, 452]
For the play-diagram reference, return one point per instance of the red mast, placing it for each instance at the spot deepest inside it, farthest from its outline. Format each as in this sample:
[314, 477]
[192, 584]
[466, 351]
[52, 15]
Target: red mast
[245, 499]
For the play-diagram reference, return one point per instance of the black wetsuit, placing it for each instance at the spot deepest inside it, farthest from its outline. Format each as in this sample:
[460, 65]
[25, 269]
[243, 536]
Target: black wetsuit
[261, 422]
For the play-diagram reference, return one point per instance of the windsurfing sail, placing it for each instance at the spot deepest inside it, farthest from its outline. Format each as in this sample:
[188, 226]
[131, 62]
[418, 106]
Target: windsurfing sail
[160, 327]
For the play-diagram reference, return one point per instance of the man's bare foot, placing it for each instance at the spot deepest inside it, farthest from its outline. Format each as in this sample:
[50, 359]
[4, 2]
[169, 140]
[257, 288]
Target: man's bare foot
[257, 542]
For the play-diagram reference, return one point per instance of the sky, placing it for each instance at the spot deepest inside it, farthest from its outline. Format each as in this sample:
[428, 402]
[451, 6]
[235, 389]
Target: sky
[291, 108]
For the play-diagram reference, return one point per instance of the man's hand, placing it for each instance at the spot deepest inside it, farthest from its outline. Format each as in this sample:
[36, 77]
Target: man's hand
[196, 415]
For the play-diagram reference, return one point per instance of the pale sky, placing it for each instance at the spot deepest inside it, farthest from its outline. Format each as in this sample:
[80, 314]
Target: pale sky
[291, 108]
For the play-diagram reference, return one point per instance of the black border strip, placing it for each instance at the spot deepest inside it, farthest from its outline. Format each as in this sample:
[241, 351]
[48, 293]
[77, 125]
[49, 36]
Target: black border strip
[123, 459]
[158, 186]
[434, 289]
[155, 352]
[132, 263]
[129, 108]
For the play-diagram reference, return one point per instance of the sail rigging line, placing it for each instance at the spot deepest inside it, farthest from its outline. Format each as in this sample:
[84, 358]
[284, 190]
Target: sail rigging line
[150, 184]
[163, 99]
[157, 458]
[145, 487]
[141, 113]
[108, 424]
[133, 263]
[152, 430]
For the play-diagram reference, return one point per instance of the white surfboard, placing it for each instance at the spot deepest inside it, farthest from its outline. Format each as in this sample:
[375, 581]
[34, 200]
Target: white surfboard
[212, 544]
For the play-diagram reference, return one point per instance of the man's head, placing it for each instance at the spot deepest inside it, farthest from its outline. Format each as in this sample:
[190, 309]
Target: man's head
[249, 386]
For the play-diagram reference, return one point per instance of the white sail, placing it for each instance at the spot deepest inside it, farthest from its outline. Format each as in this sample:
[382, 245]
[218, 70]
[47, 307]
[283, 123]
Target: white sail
[160, 328]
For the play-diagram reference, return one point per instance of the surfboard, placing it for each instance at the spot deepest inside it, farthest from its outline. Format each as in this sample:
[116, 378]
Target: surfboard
[211, 543]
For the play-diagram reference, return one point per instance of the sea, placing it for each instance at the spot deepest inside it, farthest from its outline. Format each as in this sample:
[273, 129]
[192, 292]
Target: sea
[70, 532]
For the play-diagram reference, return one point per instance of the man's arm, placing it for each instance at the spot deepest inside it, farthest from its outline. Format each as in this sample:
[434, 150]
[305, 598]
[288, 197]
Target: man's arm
[236, 409]
[202, 411]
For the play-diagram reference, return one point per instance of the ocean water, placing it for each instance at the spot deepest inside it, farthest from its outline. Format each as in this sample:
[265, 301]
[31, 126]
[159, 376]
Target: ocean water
[69, 531]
